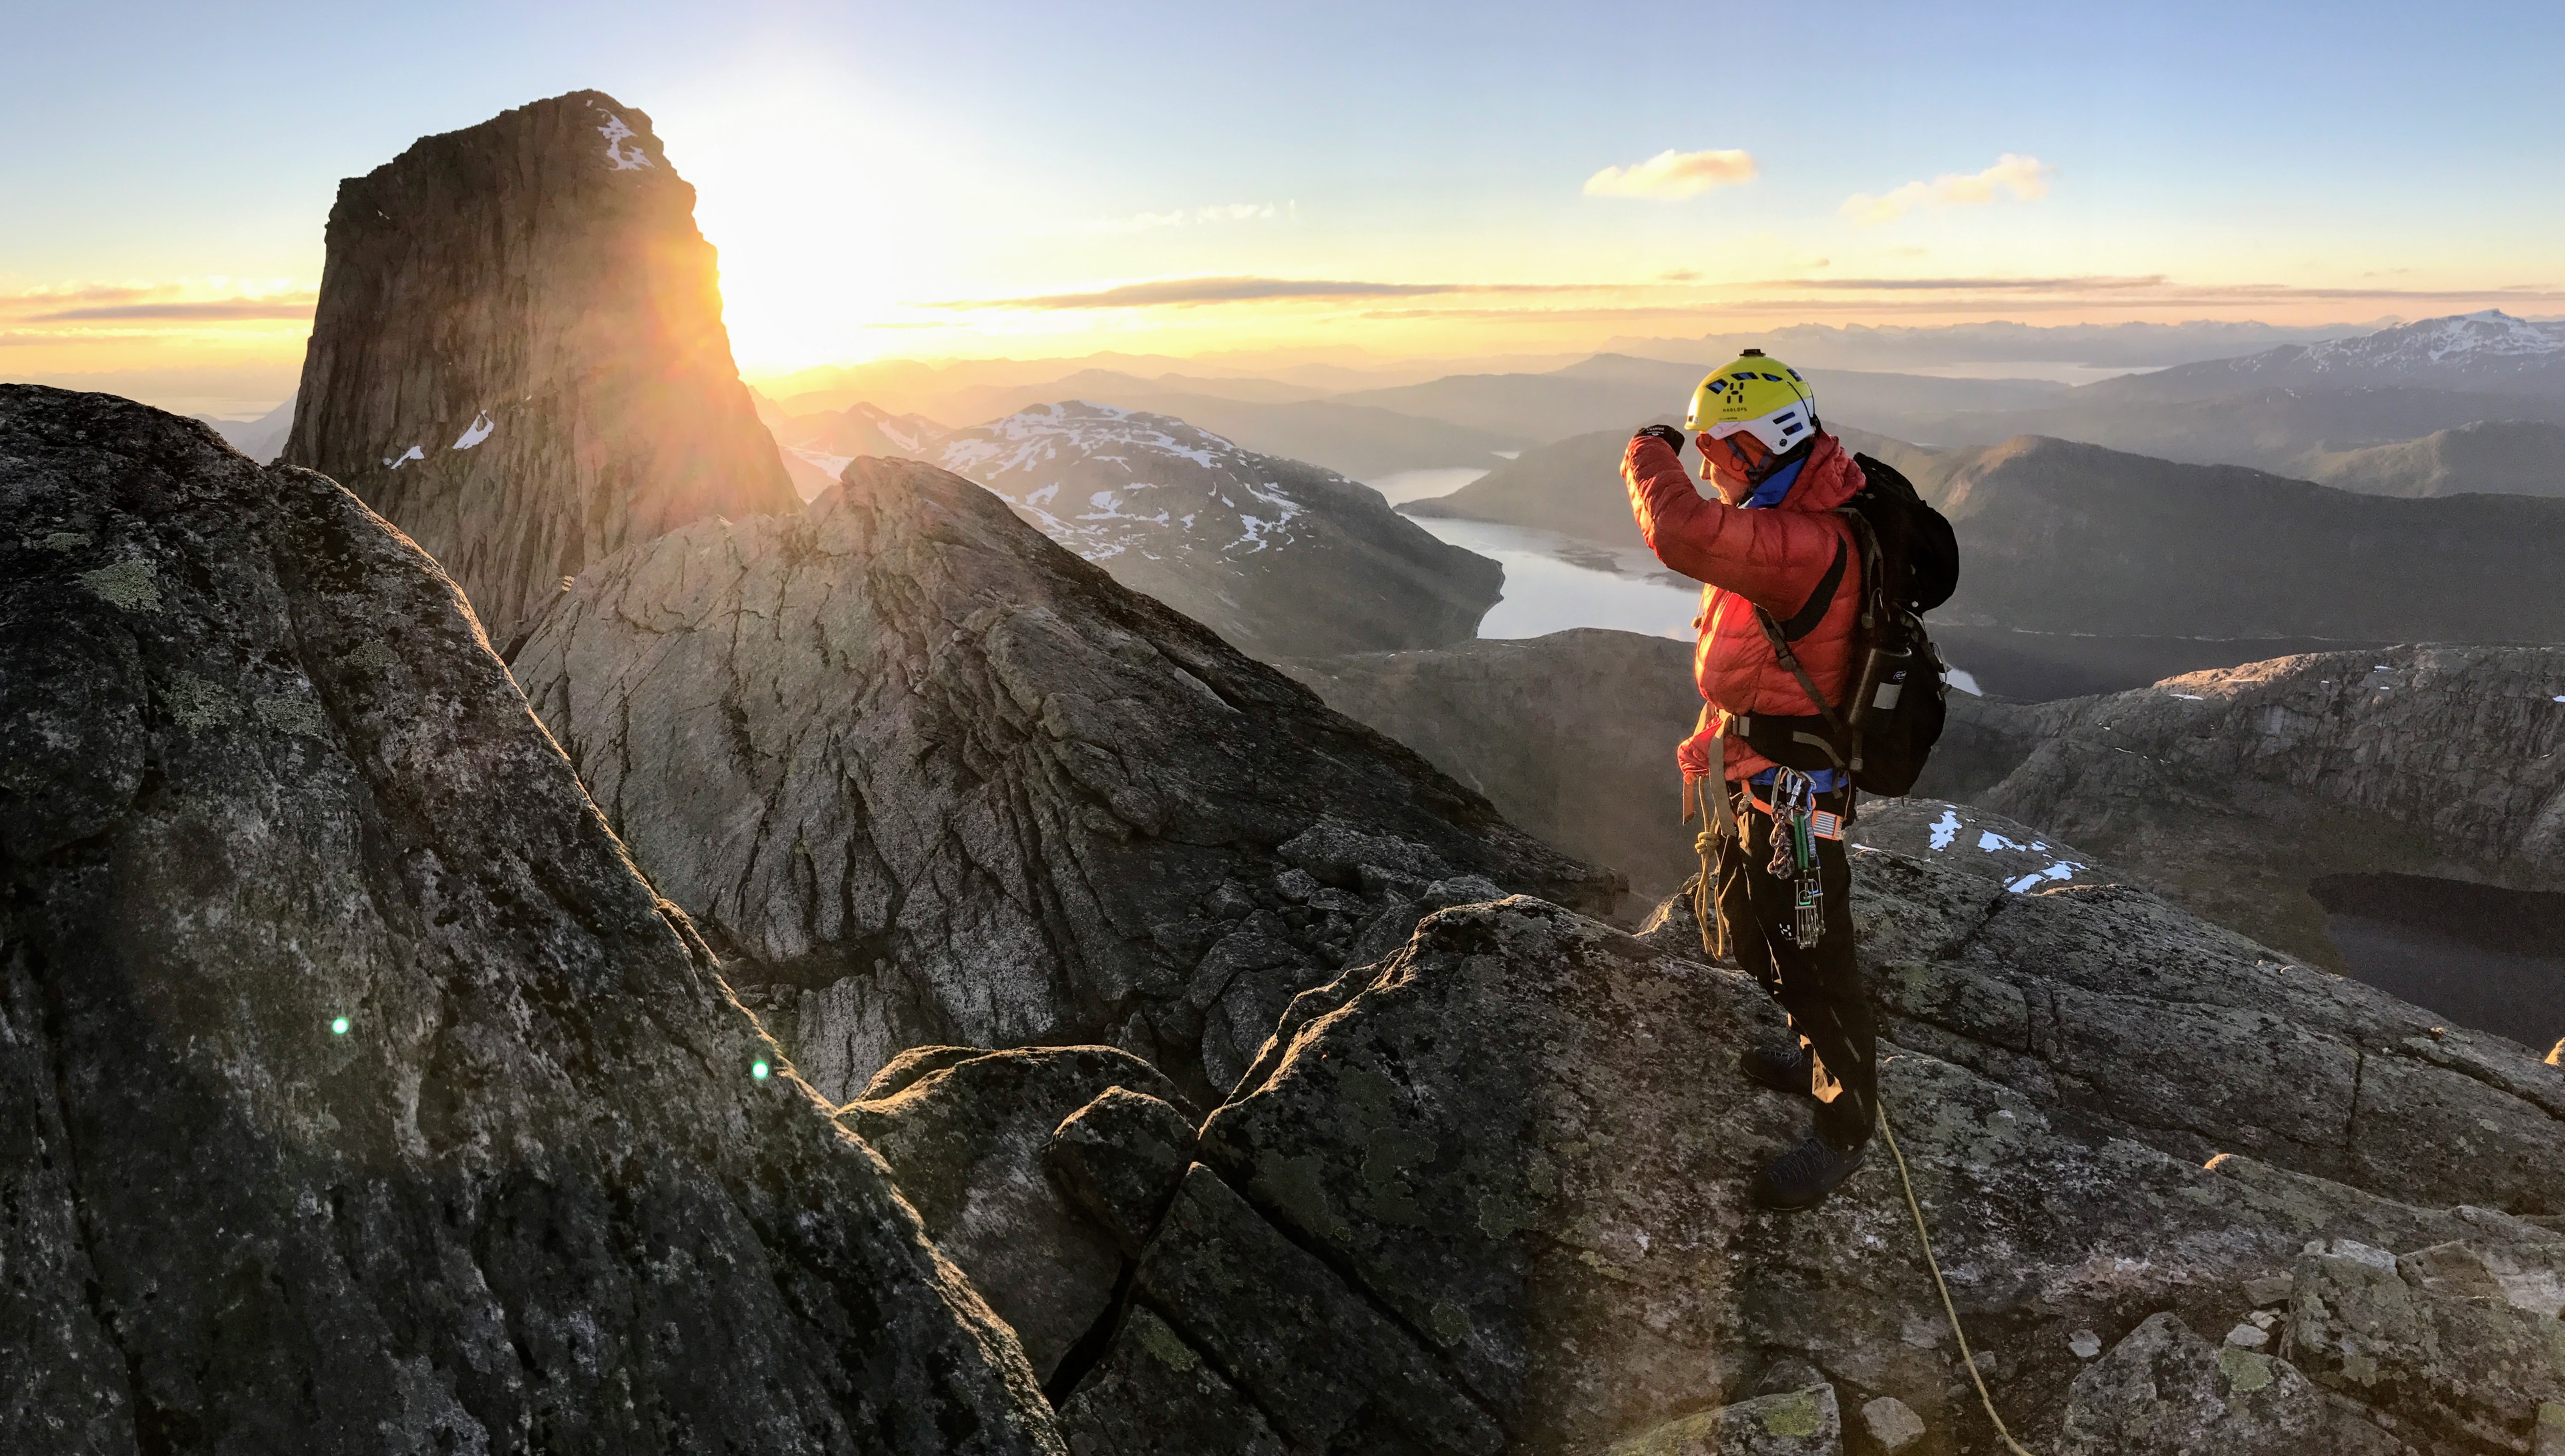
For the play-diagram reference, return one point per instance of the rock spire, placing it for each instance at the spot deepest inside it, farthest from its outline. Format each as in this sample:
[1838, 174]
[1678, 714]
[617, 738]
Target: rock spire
[519, 356]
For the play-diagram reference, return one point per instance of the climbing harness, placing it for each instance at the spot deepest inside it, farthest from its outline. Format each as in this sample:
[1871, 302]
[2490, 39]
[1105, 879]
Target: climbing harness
[1915, 1208]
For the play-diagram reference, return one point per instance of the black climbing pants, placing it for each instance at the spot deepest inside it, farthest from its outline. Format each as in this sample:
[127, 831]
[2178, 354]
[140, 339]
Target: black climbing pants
[1821, 989]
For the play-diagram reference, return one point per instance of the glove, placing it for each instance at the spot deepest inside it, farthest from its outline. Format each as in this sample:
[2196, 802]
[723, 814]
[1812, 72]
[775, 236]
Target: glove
[1672, 436]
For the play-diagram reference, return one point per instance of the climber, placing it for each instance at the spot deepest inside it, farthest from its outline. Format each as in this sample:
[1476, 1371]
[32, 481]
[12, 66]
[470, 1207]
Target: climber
[1779, 616]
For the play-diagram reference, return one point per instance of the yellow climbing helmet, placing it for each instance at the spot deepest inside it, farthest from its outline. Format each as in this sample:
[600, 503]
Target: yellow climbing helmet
[1758, 396]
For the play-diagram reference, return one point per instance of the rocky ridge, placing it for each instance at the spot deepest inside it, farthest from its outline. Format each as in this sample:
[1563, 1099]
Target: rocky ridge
[1485, 1195]
[519, 356]
[927, 778]
[1281, 559]
[2230, 791]
[355, 1095]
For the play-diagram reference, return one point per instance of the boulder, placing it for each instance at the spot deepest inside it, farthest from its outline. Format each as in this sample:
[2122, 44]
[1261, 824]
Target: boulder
[519, 356]
[967, 1141]
[2461, 1337]
[1120, 1159]
[925, 777]
[355, 1095]
[2163, 1390]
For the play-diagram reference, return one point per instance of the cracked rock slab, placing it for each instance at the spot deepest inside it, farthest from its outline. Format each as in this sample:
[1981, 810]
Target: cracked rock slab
[1521, 1142]
[355, 1095]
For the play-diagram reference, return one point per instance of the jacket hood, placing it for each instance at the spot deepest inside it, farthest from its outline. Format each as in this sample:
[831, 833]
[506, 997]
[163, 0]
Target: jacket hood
[1827, 480]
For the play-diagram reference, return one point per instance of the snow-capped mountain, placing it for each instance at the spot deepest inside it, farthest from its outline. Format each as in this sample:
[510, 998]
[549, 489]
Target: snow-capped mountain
[1104, 481]
[817, 447]
[2482, 353]
[1284, 559]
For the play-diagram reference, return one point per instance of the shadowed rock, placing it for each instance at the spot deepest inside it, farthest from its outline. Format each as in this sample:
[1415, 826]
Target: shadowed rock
[355, 1095]
[967, 1142]
[927, 777]
[519, 356]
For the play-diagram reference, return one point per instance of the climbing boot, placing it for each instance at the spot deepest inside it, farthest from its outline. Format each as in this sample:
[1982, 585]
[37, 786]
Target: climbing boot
[1803, 1177]
[1789, 1069]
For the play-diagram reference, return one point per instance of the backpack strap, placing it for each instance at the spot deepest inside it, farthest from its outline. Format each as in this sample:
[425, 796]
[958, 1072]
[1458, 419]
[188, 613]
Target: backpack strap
[1813, 611]
[1791, 660]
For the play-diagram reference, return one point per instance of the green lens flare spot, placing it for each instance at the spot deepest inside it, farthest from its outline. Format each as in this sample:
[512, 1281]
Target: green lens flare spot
[338, 1027]
[758, 1070]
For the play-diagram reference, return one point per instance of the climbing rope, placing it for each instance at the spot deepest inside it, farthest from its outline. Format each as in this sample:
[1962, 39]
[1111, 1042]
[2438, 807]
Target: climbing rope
[1915, 1208]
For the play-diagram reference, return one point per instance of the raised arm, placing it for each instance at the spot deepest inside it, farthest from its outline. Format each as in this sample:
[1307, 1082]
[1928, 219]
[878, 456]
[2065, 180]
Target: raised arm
[1772, 558]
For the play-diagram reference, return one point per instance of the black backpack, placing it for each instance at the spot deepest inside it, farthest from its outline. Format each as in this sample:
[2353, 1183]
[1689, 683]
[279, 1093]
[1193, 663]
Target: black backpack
[1910, 563]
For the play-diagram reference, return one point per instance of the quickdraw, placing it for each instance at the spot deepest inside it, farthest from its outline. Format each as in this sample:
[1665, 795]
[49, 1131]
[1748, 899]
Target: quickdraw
[1795, 854]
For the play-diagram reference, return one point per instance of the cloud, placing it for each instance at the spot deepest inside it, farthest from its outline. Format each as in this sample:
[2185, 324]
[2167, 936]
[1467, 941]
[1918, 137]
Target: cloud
[1181, 217]
[1673, 175]
[1186, 292]
[2026, 178]
[2083, 282]
[219, 309]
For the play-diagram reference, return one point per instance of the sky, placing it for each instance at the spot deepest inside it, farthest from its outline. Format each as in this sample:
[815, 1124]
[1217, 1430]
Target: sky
[979, 180]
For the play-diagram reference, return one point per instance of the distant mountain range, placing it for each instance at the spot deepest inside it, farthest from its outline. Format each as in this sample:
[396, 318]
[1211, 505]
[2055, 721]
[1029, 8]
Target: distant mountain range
[1282, 559]
[2060, 537]
[2506, 458]
[261, 439]
[2484, 352]
[1904, 347]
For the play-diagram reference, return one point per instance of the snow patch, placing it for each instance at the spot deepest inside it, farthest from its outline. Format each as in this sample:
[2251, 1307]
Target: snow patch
[619, 158]
[478, 431]
[414, 452]
[2062, 869]
[1963, 680]
[1945, 828]
[2189, 697]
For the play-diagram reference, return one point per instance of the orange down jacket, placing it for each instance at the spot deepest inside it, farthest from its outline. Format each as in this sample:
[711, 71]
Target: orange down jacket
[1774, 557]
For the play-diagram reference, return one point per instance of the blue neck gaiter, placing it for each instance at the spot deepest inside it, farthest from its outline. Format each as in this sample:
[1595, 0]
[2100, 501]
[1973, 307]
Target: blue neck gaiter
[1775, 486]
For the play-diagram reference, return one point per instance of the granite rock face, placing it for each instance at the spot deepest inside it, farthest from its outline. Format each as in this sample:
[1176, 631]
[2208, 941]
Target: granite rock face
[355, 1095]
[519, 355]
[1281, 559]
[1489, 1195]
[926, 777]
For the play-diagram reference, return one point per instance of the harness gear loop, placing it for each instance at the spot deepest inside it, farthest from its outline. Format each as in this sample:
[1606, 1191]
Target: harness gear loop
[1915, 1208]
